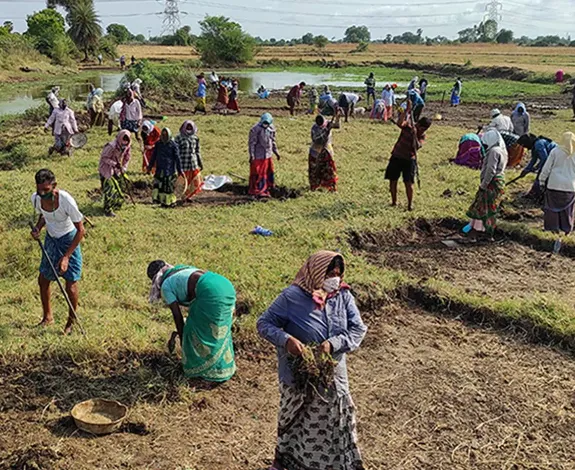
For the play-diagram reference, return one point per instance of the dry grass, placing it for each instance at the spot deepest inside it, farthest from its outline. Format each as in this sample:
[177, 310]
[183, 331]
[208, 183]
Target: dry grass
[536, 59]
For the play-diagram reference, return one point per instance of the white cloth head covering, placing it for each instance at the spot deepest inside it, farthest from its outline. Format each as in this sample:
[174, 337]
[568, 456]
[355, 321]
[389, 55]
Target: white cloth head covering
[492, 138]
[156, 291]
[495, 112]
[568, 143]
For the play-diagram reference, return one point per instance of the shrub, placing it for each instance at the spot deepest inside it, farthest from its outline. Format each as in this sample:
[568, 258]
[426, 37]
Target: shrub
[14, 157]
[224, 41]
[167, 81]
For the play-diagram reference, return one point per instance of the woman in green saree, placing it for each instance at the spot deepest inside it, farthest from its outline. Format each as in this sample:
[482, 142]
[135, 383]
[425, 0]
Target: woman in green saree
[206, 335]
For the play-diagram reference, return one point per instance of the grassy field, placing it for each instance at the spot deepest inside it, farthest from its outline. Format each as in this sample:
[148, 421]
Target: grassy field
[408, 377]
[536, 59]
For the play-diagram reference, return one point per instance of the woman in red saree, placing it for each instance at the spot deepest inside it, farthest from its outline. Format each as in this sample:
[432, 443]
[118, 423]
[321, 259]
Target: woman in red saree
[150, 137]
[262, 147]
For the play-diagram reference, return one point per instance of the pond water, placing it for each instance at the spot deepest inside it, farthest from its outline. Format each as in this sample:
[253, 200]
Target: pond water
[35, 96]
[250, 81]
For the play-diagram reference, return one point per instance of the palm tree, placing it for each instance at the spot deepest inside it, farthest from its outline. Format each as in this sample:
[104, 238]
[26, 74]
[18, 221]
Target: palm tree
[85, 29]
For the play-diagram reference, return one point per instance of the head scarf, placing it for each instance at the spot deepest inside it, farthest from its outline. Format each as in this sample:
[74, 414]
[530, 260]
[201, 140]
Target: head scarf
[494, 113]
[185, 125]
[99, 92]
[169, 134]
[518, 107]
[568, 143]
[312, 274]
[147, 126]
[55, 89]
[491, 139]
[156, 290]
[138, 81]
[120, 139]
[267, 119]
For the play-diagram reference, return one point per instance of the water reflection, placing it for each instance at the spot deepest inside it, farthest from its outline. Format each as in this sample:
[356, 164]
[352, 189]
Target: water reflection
[35, 96]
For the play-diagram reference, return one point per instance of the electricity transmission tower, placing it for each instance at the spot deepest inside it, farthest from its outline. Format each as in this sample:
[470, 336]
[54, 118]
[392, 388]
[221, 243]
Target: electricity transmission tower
[492, 11]
[171, 14]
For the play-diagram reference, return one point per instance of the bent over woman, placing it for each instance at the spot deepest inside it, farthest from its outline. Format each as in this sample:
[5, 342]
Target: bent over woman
[316, 430]
[322, 170]
[206, 335]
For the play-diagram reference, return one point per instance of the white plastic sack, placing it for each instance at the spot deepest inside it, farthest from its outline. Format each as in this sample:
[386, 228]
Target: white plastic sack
[213, 182]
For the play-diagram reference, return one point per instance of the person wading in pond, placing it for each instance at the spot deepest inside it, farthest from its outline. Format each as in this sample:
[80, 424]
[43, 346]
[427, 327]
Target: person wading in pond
[206, 335]
[403, 161]
[262, 147]
[59, 213]
[166, 161]
[113, 166]
[316, 427]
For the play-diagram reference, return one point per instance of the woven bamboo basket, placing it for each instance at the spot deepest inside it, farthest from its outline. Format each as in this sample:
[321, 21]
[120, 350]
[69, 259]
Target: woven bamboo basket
[99, 416]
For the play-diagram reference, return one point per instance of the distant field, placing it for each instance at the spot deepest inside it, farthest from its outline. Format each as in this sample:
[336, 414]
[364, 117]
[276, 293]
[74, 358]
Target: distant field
[537, 59]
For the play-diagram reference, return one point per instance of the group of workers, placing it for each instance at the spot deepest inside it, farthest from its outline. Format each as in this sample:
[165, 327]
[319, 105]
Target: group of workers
[316, 430]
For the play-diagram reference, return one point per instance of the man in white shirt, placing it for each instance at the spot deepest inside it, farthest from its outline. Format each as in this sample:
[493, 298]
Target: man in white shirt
[58, 212]
[347, 103]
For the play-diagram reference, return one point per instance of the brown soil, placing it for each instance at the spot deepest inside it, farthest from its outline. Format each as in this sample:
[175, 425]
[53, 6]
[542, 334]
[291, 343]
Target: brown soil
[228, 195]
[502, 270]
[431, 393]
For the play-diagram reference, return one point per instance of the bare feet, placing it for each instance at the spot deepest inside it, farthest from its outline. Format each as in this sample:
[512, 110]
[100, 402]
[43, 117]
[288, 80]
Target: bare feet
[410, 208]
[172, 342]
[46, 322]
[68, 327]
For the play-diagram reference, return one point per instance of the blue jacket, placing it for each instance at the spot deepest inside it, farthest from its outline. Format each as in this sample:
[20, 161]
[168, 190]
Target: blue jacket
[294, 313]
[539, 155]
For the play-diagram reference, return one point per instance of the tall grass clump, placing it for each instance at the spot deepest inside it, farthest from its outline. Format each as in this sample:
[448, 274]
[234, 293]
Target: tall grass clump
[165, 81]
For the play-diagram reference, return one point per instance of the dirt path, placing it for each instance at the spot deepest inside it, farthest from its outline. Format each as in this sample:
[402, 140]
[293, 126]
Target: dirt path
[431, 393]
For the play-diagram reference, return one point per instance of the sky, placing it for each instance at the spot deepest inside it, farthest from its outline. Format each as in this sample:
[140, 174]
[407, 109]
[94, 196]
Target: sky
[293, 18]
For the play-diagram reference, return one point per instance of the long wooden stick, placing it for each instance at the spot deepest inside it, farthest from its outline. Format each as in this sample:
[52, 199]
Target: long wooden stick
[64, 293]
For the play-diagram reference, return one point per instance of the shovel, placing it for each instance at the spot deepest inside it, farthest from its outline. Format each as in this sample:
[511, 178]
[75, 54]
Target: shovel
[64, 293]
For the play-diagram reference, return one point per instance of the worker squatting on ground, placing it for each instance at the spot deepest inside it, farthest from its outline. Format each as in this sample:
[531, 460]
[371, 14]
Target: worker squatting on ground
[58, 212]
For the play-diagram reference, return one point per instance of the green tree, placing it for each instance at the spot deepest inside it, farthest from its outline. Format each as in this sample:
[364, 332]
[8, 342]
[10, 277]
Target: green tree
[505, 36]
[85, 29]
[487, 31]
[140, 38]
[223, 40]
[8, 26]
[119, 33]
[307, 39]
[44, 29]
[320, 41]
[468, 35]
[357, 34]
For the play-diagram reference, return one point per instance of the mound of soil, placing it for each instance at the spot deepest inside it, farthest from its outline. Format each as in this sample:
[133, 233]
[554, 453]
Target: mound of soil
[35, 457]
[501, 270]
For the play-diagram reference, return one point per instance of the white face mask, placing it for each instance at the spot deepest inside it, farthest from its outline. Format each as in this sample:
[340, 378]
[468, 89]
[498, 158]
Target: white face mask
[332, 284]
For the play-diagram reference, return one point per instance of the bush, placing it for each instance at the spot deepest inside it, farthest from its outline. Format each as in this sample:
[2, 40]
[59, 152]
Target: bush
[107, 47]
[63, 51]
[165, 81]
[14, 157]
[16, 50]
[223, 41]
